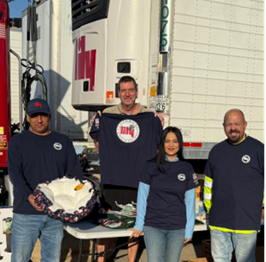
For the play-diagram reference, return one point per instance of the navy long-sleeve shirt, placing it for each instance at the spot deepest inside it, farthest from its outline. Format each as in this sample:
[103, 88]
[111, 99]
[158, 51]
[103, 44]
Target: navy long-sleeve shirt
[34, 159]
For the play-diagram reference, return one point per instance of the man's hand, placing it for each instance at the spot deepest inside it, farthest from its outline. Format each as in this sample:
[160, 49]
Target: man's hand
[31, 199]
[92, 119]
[95, 141]
[96, 144]
[135, 233]
[160, 117]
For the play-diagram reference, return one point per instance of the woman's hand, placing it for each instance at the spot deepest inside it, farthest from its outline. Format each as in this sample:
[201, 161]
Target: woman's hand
[135, 233]
[160, 117]
[187, 240]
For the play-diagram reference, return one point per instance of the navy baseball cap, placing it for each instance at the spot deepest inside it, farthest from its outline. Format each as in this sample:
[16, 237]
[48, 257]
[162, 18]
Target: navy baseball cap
[38, 105]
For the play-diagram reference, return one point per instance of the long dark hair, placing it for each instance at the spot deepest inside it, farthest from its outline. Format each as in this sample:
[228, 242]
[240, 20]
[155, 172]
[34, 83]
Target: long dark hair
[160, 157]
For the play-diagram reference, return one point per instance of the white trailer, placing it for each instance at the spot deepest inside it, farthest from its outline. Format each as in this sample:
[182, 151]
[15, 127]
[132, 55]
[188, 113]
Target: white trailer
[15, 45]
[193, 60]
[54, 50]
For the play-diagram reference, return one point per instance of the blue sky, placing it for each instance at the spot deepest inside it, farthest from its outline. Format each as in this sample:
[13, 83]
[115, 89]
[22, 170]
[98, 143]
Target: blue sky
[16, 7]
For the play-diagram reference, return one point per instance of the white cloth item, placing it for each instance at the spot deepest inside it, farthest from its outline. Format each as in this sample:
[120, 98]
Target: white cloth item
[63, 195]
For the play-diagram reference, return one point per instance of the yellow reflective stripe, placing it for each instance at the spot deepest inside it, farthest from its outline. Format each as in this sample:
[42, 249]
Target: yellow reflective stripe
[223, 229]
[208, 179]
[207, 190]
[207, 184]
[208, 204]
[207, 196]
[208, 193]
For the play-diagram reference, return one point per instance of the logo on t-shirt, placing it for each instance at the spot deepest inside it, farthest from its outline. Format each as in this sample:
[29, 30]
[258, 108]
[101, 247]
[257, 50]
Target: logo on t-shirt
[57, 146]
[128, 131]
[246, 159]
[181, 177]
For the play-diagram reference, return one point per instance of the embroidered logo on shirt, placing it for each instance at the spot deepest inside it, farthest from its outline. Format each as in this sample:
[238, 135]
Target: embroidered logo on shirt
[181, 177]
[128, 131]
[246, 159]
[57, 146]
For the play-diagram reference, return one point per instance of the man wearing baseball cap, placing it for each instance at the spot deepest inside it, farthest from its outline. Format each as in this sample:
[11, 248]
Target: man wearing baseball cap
[38, 116]
[36, 156]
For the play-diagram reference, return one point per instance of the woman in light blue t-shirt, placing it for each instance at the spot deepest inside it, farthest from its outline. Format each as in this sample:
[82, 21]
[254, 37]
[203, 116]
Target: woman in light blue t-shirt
[166, 200]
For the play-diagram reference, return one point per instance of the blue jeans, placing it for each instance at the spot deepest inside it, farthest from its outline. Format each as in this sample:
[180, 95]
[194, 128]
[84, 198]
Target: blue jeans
[163, 245]
[26, 229]
[223, 243]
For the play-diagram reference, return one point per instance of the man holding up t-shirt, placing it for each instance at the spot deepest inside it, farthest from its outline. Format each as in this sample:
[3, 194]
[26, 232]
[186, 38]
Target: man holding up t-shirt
[126, 136]
[233, 191]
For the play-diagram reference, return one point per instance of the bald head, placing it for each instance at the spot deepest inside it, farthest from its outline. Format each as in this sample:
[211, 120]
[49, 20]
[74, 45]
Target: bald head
[235, 125]
[234, 111]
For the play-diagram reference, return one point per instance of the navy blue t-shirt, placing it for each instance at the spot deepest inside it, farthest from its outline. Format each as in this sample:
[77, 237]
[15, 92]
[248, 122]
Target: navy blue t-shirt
[166, 208]
[238, 183]
[125, 143]
[34, 159]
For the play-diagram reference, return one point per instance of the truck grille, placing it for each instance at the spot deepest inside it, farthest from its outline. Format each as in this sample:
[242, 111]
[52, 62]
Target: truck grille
[88, 11]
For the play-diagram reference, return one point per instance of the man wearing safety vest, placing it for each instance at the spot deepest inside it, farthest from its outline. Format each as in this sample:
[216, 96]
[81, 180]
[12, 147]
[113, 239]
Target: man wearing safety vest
[233, 191]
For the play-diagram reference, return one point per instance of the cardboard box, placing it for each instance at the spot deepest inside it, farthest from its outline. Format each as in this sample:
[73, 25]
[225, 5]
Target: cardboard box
[260, 248]
[263, 214]
[5, 247]
[206, 250]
